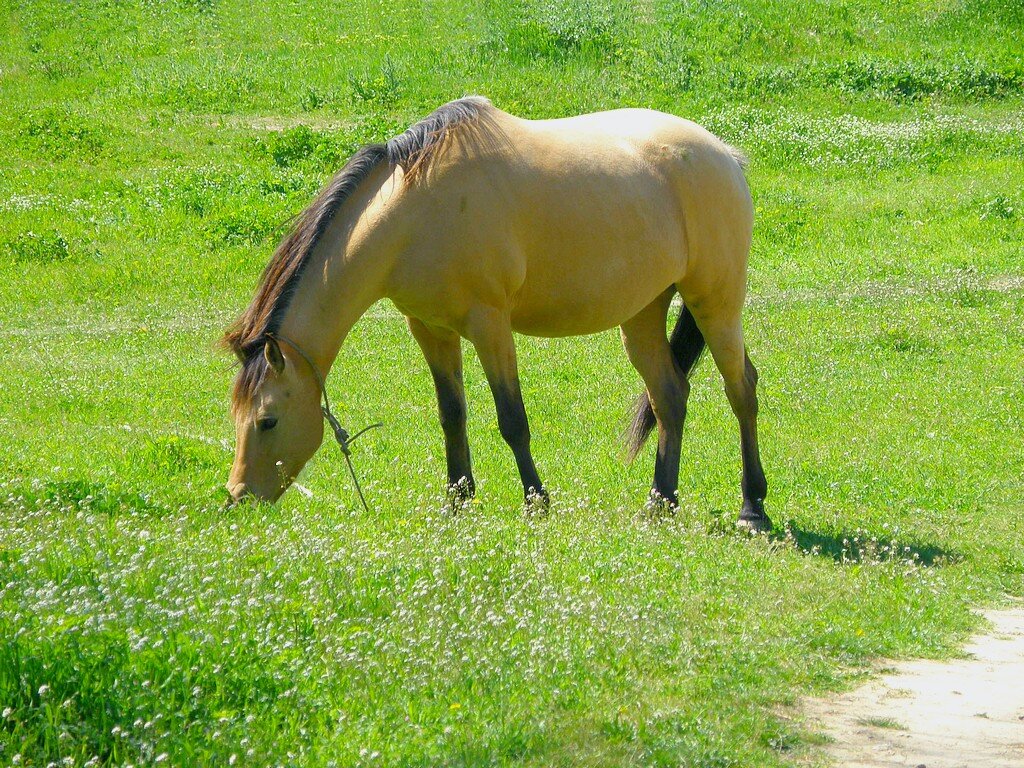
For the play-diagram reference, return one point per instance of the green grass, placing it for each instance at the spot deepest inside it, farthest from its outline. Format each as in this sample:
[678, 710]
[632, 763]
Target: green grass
[152, 153]
[883, 722]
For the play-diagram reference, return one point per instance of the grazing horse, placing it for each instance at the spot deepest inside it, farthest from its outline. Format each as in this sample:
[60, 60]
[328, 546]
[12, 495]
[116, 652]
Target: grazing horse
[478, 224]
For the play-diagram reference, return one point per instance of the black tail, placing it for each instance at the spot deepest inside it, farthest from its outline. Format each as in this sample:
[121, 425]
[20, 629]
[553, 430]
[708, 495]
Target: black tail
[687, 344]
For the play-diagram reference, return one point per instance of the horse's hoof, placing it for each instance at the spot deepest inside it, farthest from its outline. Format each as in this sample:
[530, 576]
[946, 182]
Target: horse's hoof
[659, 505]
[753, 518]
[537, 502]
[461, 492]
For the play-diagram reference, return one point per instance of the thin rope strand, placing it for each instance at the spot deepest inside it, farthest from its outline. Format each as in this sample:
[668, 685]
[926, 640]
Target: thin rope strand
[340, 433]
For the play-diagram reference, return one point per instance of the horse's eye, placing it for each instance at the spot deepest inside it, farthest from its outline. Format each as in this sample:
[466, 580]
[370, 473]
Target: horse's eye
[268, 423]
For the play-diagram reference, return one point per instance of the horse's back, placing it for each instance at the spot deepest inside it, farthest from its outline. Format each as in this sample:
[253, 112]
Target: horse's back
[596, 212]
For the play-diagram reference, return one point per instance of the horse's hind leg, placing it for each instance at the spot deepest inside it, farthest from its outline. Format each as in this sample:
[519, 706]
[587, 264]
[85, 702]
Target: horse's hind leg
[443, 352]
[723, 333]
[490, 331]
[649, 351]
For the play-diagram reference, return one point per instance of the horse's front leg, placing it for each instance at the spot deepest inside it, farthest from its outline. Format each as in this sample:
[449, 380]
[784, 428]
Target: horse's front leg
[443, 352]
[490, 331]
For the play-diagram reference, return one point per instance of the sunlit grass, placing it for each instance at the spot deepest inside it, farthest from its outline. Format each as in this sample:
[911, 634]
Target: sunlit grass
[152, 154]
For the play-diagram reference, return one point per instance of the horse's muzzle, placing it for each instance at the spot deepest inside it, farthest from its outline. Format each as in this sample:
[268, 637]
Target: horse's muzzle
[237, 493]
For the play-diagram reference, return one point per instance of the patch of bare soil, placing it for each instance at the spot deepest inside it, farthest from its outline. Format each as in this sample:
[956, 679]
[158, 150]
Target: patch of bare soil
[967, 713]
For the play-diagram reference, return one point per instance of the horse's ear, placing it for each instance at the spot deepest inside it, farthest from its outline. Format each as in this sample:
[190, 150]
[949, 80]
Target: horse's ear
[272, 352]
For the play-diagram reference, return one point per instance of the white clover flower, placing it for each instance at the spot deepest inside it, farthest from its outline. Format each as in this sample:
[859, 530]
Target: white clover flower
[43, 690]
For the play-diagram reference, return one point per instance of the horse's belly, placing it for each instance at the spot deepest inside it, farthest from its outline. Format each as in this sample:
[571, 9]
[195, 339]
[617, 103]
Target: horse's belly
[587, 295]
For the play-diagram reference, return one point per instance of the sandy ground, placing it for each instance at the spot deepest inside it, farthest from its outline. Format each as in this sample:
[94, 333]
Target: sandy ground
[966, 713]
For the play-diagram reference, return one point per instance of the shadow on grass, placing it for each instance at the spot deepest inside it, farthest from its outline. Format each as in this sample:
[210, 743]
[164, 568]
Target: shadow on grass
[861, 546]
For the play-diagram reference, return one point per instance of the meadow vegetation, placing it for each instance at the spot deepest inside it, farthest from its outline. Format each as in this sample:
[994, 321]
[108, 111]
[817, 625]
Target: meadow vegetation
[153, 153]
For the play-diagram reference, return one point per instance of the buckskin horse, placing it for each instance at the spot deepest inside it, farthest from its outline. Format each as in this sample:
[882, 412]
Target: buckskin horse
[478, 224]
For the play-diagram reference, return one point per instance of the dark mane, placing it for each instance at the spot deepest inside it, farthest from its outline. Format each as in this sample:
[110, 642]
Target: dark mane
[412, 151]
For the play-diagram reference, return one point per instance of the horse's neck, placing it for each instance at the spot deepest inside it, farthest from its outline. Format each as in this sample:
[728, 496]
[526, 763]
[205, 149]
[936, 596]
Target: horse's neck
[344, 278]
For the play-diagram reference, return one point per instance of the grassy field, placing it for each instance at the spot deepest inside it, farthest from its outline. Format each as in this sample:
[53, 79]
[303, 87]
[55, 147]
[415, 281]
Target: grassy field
[150, 154]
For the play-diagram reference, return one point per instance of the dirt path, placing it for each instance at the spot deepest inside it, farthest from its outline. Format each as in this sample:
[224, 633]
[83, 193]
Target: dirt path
[967, 713]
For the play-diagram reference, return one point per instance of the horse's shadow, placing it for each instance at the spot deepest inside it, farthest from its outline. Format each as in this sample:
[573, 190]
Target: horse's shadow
[862, 546]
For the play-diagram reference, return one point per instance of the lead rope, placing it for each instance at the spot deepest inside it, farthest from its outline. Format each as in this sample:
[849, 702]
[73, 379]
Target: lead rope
[341, 435]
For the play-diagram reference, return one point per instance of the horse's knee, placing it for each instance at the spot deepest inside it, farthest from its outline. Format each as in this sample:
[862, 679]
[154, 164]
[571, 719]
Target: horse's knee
[669, 394]
[742, 396]
[670, 411]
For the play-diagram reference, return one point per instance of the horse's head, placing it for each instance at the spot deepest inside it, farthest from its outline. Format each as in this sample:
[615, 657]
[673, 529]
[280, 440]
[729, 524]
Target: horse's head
[278, 422]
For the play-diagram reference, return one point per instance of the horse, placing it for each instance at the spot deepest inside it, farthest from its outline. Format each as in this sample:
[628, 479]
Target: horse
[478, 224]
